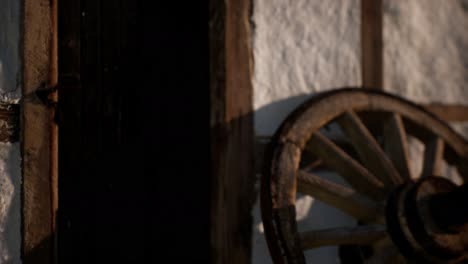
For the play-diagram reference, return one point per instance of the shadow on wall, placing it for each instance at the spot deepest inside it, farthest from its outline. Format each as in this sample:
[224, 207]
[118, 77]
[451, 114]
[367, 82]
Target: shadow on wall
[10, 76]
[10, 219]
[310, 213]
[269, 117]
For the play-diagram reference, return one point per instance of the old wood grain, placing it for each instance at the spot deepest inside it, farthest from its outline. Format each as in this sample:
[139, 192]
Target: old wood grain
[353, 172]
[449, 112]
[232, 134]
[360, 235]
[37, 206]
[433, 157]
[338, 196]
[372, 44]
[396, 144]
[370, 152]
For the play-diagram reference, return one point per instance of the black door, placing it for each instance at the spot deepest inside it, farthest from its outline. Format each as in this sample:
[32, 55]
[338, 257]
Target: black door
[133, 140]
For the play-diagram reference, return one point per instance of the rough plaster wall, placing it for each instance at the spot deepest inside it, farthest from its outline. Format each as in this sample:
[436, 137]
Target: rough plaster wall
[10, 75]
[10, 181]
[302, 47]
[10, 172]
[425, 50]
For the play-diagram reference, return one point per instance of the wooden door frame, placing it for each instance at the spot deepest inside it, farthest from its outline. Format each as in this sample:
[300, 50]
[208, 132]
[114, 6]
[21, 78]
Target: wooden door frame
[372, 68]
[38, 130]
[231, 131]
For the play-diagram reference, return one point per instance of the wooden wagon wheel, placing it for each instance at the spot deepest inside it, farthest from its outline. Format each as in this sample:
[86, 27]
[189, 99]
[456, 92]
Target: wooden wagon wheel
[377, 175]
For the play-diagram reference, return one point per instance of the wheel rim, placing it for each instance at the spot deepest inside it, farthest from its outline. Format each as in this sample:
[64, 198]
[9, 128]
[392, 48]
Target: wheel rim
[379, 170]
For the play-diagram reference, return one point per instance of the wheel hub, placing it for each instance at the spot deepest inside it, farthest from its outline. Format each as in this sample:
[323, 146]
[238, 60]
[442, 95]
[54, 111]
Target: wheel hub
[426, 220]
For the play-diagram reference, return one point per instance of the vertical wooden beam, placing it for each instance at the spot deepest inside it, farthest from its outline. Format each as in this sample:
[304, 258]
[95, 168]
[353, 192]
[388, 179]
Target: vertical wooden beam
[372, 44]
[53, 137]
[37, 218]
[232, 134]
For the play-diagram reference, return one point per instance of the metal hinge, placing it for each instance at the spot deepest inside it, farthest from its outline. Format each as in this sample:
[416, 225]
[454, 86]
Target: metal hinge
[43, 93]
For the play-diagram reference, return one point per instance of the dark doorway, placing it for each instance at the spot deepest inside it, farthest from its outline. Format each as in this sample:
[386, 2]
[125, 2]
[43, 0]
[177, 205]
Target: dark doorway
[133, 132]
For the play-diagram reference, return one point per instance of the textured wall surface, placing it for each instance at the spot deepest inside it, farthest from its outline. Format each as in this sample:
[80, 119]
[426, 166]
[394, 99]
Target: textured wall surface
[10, 75]
[301, 47]
[10, 182]
[425, 50]
[10, 172]
[426, 56]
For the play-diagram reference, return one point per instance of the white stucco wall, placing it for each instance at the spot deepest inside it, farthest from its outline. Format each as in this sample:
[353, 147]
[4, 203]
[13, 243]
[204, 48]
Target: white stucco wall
[302, 47]
[426, 51]
[10, 172]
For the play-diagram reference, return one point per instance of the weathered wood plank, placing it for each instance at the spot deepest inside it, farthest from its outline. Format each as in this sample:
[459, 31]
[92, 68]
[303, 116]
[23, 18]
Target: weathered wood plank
[372, 44]
[37, 197]
[53, 137]
[338, 196]
[449, 112]
[232, 133]
[433, 158]
[316, 164]
[387, 255]
[370, 152]
[353, 172]
[396, 144]
[360, 235]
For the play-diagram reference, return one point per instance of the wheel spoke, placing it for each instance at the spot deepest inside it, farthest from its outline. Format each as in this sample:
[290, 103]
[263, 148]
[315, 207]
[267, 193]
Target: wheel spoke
[433, 157]
[338, 196]
[385, 253]
[368, 149]
[313, 165]
[395, 145]
[462, 168]
[388, 255]
[353, 172]
[360, 235]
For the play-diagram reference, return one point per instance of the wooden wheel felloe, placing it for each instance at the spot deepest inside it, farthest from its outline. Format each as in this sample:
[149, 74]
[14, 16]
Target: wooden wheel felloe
[371, 155]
